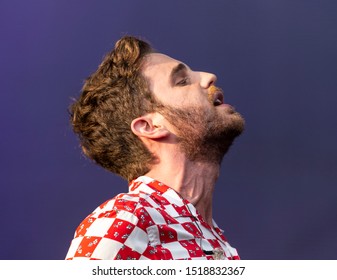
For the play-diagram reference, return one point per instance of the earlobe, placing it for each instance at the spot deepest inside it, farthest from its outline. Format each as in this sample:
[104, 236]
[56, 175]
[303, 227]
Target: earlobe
[144, 127]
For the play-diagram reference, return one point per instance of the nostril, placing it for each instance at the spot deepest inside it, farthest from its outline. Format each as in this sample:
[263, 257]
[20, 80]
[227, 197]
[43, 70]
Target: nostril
[207, 79]
[211, 83]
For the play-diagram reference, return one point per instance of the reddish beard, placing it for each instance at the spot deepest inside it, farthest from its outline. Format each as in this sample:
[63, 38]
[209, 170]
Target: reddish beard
[203, 134]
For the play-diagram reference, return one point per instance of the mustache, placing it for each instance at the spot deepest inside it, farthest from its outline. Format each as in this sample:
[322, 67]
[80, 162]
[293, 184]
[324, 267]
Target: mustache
[212, 91]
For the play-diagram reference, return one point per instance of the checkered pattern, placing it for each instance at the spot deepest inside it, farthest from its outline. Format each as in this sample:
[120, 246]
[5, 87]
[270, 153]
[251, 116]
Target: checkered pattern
[153, 222]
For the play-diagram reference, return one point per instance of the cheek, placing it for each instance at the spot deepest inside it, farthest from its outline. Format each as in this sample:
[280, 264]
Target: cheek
[161, 95]
[200, 101]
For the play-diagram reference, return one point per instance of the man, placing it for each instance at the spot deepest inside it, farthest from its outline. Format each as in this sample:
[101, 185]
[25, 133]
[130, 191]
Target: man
[165, 128]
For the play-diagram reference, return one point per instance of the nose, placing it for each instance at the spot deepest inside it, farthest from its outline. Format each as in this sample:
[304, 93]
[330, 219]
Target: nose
[207, 79]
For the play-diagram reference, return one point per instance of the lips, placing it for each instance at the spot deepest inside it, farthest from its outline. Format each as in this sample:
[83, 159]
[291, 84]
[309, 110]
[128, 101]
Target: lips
[218, 98]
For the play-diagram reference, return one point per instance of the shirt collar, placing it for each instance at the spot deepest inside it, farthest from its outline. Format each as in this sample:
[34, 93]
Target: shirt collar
[148, 185]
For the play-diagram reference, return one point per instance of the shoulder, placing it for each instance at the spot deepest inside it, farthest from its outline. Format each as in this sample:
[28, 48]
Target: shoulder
[130, 207]
[121, 220]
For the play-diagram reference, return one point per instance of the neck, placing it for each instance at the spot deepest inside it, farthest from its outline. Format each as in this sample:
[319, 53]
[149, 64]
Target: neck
[194, 181]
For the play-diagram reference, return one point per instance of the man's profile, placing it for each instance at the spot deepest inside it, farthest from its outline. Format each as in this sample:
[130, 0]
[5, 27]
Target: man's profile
[164, 128]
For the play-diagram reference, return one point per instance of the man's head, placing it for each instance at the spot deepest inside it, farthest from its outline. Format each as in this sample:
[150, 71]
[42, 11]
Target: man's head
[204, 125]
[134, 90]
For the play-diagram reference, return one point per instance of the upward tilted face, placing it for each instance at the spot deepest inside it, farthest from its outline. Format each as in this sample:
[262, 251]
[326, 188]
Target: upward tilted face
[176, 85]
[192, 104]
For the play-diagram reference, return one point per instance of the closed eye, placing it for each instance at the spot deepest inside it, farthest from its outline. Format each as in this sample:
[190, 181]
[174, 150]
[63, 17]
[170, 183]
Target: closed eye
[179, 75]
[183, 82]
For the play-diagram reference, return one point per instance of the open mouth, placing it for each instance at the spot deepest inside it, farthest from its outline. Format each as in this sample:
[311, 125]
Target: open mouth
[218, 99]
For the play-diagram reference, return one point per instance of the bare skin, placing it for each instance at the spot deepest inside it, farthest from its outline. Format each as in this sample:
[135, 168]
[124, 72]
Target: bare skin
[194, 181]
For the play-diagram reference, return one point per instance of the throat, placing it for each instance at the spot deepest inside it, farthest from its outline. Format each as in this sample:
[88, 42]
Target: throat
[204, 208]
[198, 189]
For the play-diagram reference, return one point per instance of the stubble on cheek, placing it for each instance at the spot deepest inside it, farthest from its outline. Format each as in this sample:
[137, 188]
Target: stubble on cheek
[204, 134]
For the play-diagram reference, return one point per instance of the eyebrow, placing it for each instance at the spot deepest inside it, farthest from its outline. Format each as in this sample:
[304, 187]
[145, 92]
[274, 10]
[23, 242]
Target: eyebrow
[181, 67]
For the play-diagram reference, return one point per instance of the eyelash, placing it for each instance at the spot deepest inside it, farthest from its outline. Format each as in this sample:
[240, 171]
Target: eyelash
[183, 82]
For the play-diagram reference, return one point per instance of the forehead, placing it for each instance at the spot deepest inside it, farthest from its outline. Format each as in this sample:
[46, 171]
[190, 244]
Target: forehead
[158, 64]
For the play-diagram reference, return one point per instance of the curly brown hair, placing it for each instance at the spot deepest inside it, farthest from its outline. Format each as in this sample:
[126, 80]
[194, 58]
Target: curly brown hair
[110, 99]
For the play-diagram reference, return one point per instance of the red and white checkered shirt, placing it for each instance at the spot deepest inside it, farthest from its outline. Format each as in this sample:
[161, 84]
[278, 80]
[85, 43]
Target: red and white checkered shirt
[151, 221]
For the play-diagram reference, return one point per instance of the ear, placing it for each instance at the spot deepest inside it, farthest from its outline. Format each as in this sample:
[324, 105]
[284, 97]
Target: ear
[149, 126]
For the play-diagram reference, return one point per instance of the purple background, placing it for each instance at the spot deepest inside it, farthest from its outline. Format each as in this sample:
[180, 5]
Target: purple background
[277, 62]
